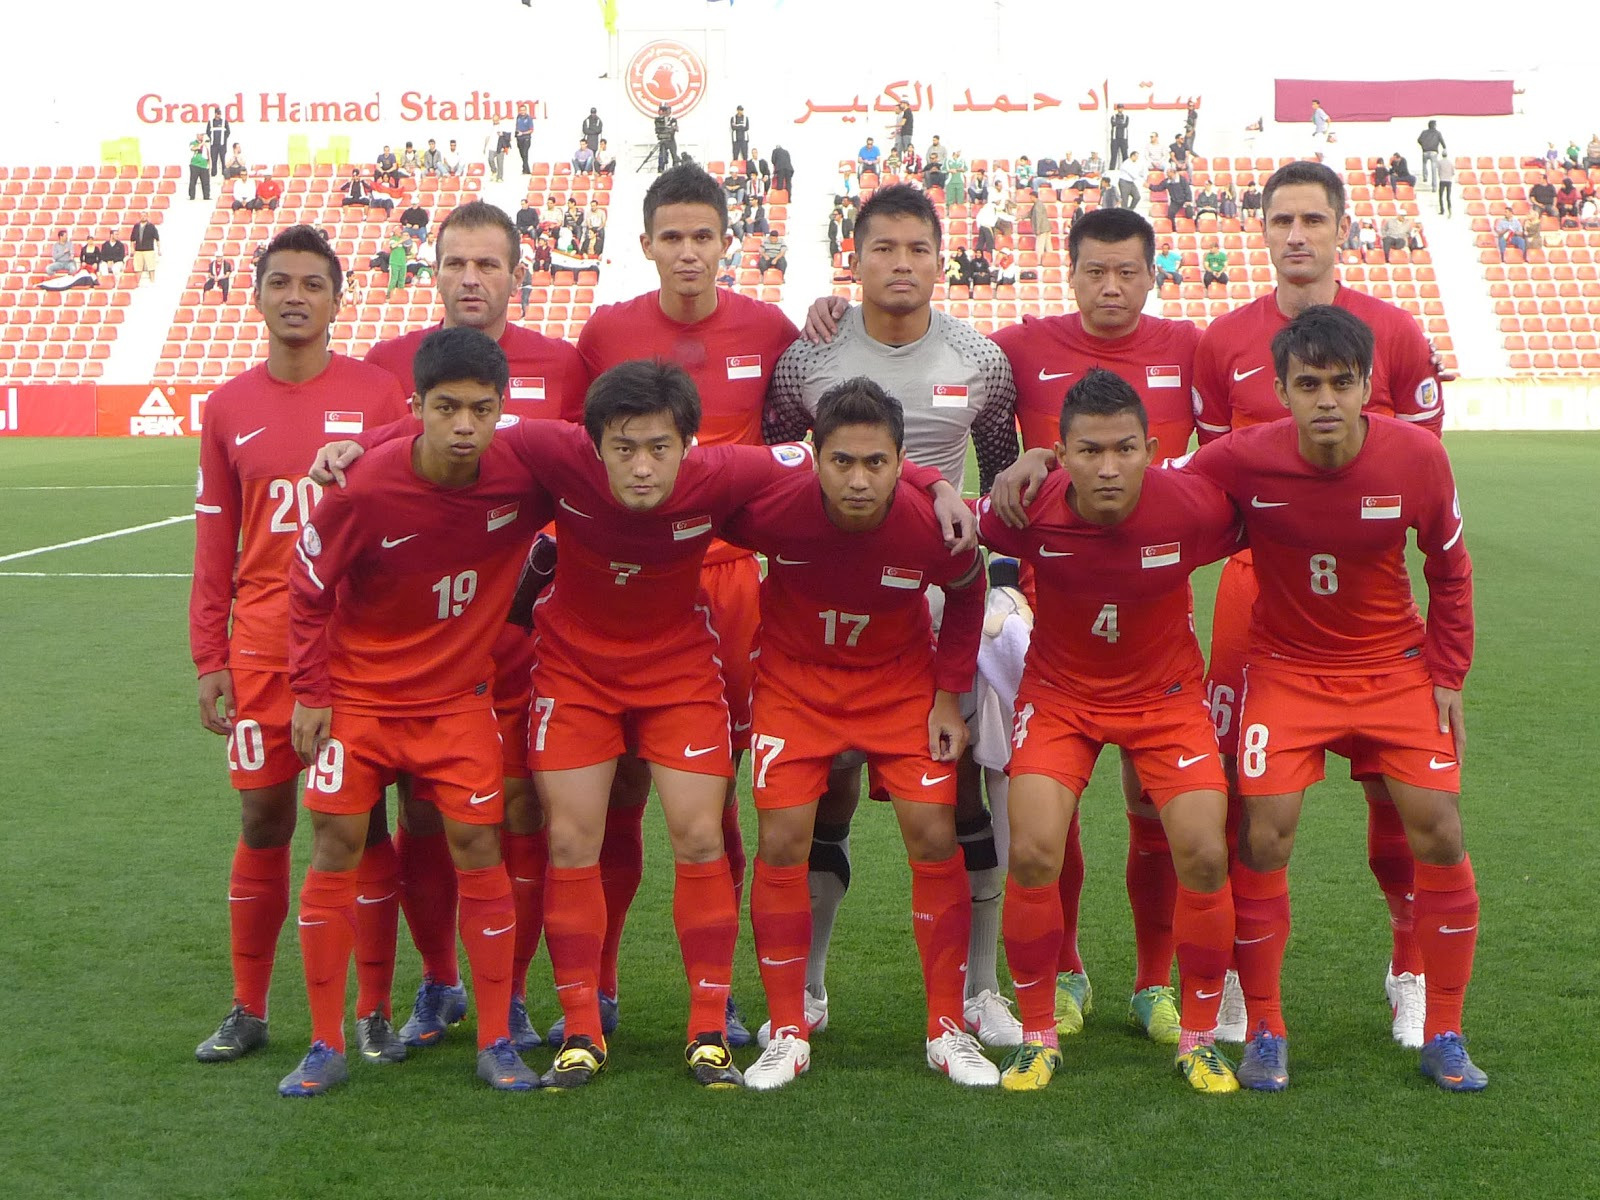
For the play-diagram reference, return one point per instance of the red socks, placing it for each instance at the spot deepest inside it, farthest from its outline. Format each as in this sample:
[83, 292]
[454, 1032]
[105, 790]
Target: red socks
[1070, 886]
[1152, 892]
[707, 922]
[488, 931]
[258, 901]
[574, 927]
[327, 936]
[941, 919]
[621, 868]
[1032, 925]
[1202, 926]
[733, 846]
[1447, 931]
[1389, 856]
[377, 920]
[526, 855]
[1261, 933]
[428, 897]
[780, 914]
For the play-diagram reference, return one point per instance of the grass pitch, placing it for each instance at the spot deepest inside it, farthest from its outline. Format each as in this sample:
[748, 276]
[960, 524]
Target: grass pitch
[119, 824]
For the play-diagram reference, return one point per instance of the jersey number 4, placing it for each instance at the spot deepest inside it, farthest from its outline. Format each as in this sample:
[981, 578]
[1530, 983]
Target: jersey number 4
[1105, 625]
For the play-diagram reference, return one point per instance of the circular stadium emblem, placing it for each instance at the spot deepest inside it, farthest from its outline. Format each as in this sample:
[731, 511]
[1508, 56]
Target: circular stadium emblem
[667, 73]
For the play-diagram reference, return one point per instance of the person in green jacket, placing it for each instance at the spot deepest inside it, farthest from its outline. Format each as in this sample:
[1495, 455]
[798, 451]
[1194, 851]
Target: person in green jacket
[397, 264]
[199, 168]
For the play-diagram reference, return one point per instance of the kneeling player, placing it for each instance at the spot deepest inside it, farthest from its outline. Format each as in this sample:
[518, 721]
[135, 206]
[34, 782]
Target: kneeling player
[401, 582]
[1114, 660]
[1340, 660]
[846, 661]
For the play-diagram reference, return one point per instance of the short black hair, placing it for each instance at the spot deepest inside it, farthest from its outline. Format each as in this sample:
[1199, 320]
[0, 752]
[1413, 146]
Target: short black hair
[479, 214]
[640, 388]
[1102, 393]
[857, 401]
[899, 200]
[308, 240]
[1303, 172]
[1323, 336]
[686, 183]
[1111, 225]
[448, 355]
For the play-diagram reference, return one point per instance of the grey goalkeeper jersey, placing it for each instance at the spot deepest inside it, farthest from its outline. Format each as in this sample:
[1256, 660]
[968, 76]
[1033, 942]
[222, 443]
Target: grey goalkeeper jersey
[952, 382]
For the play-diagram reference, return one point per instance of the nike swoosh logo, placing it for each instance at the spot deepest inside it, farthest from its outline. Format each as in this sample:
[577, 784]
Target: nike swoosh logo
[1258, 502]
[520, 879]
[303, 921]
[1240, 376]
[1435, 765]
[1208, 995]
[1047, 376]
[391, 543]
[691, 752]
[720, 987]
[793, 562]
[1043, 553]
[477, 799]
[1453, 929]
[1251, 941]
[577, 512]
[781, 962]
[237, 899]
[498, 932]
[561, 987]
[740, 726]
[375, 899]
[1186, 761]
[240, 439]
[926, 782]
[1020, 986]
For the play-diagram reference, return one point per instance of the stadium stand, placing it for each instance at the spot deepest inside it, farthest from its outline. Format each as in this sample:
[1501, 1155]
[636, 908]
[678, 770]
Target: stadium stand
[749, 280]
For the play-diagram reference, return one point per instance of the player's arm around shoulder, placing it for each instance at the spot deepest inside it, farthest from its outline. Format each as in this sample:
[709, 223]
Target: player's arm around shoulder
[784, 415]
[335, 458]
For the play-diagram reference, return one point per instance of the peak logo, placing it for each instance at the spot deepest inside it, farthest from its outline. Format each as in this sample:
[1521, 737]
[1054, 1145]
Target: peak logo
[170, 410]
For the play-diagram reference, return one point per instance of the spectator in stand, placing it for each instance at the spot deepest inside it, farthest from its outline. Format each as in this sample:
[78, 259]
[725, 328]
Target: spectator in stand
[1250, 202]
[387, 168]
[911, 163]
[1179, 150]
[89, 257]
[113, 253]
[1110, 192]
[902, 127]
[527, 218]
[1179, 195]
[1552, 156]
[1542, 196]
[1395, 234]
[1319, 120]
[849, 187]
[1005, 266]
[451, 163]
[1400, 171]
[988, 217]
[1380, 173]
[543, 257]
[728, 264]
[774, 254]
[410, 162]
[867, 157]
[1414, 239]
[1508, 232]
[235, 166]
[414, 221]
[1369, 237]
[758, 174]
[1024, 172]
[62, 260]
[1567, 199]
[1431, 142]
[999, 183]
[666, 130]
[1574, 156]
[1191, 118]
[550, 216]
[1591, 156]
[835, 230]
[1215, 264]
[583, 159]
[356, 190]
[1094, 165]
[591, 129]
[594, 227]
[496, 144]
[1533, 235]
[957, 268]
[758, 219]
[397, 264]
[146, 242]
[219, 275]
[572, 217]
[782, 170]
[955, 176]
[605, 162]
[525, 287]
[1352, 240]
[1129, 176]
[244, 194]
[1156, 158]
[891, 166]
[1446, 169]
[199, 168]
[1169, 266]
[1206, 202]
[524, 134]
[269, 191]
[1039, 224]
[216, 135]
[739, 217]
[1047, 168]
[1119, 136]
[420, 260]
[1228, 205]
[432, 160]
[739, 133]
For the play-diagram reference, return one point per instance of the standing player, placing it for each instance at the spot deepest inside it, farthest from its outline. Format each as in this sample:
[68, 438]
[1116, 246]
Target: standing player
[729, 344]
[847, 661]
[1305, 224]
[1114, 659]
[400, 584]
[955, 387]
[1111, 256]
[1339, 659]
[479, 268]
[253, 497]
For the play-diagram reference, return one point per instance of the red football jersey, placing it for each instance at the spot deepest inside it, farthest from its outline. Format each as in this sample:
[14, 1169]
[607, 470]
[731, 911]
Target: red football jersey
[259, 438]
[399, 587]
[1330, 550]
[547, 376]
[730, 356]
[856, 600]
[1114, 623]
[1049, 354]
[1233, 373]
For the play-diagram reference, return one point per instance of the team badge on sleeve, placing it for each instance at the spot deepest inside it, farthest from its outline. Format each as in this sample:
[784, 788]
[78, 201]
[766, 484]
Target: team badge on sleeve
[1380, 508]
[1163, 377]
[790, 454]
[311, 540]
[690, 527]
[343, 422]
[507, 420]
[1427, 393]
[901, 577]
[949, 395]
[744, 366]
[1165, 555]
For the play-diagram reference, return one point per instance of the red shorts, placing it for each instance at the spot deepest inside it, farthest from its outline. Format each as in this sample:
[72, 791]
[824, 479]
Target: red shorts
[1230, 635]
[454, 757]
[1169, 740]
[662, 702]
[734, 589]
[260, 754]
[1384, 724]
[805, 715]
[513, 692]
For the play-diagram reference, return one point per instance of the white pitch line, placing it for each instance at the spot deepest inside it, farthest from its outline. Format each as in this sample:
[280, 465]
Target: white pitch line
[93, 487]
[94, 575]
[99, 537]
